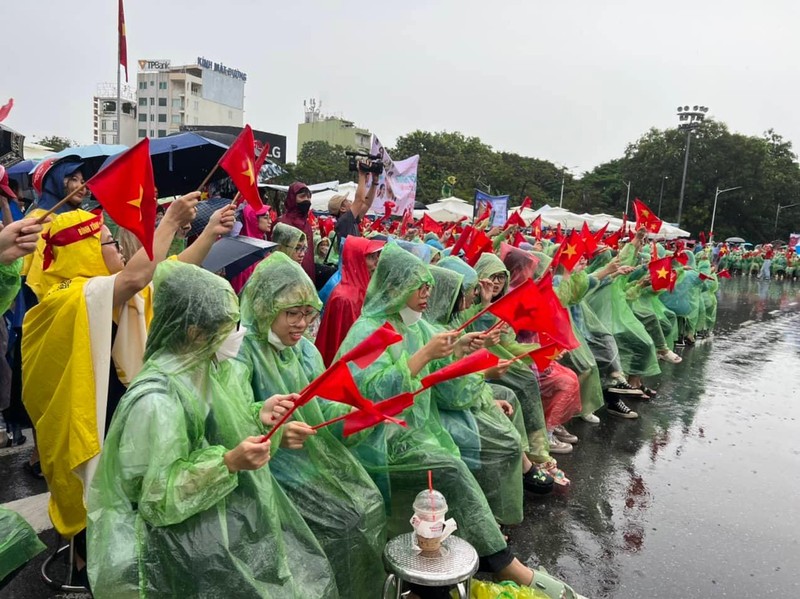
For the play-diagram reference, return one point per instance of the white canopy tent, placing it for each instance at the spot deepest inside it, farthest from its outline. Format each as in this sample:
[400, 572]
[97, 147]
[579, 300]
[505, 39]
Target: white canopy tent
[450, 210]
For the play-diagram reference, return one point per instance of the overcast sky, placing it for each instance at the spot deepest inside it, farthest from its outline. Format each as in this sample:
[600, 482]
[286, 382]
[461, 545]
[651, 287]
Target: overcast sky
[569, 81]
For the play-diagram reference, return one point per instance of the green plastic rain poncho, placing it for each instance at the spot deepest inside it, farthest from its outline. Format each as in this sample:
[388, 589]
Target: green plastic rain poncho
[659, 322]
[10, 283]
[399, 458]
[709, 295]
[637, 352]
[333, 492]
[519, 377]
[166, 517]
[18, 542]
[287, 237]
[489, 442]
[685, 299]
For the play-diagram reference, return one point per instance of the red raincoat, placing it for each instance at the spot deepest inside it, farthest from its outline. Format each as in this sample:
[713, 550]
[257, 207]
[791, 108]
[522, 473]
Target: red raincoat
[295, 217]
[344, 304]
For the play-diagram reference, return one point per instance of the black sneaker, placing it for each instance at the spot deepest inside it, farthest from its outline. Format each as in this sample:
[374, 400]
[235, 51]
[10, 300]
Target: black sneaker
[622, 387]
[538, 482]
[618, 408]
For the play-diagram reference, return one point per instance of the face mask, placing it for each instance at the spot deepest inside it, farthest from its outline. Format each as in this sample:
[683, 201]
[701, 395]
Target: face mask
[230, 347]
[410, 316]
[275, 341]
[304, 207]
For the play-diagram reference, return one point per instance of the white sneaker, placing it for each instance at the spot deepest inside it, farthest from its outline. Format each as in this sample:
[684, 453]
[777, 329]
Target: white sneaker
[671, 357]
[590, 418]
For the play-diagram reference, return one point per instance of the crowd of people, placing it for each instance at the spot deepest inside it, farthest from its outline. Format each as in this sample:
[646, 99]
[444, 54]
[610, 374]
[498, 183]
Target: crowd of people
[764, 261]
[151, 384]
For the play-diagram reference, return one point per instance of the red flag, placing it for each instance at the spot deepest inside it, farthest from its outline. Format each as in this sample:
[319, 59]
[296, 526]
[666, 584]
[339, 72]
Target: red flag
[239, 162]
[326, 225]
[485, 215]
[554, 318]
[125, 188]
[4, 110]
[589, 243]
[122, 42]
[514, 219]
[724, 274]
[702, 237]
[462, 240]
[366, 352]
[518, 239]
[704, 277]
[517, 306]
[544, 355]
[571, 251]
[613, 240]
[478, 244]
[598, 237]
[660, 273]
[682, 258]
[429, 225]
[383, 410]
[537, 227]
[387, 210]
[526, 203]
[673, 278]
[475, 362]
[407, 220]
[559, 234]
[312, 220]
[624, 227]
[645, 217]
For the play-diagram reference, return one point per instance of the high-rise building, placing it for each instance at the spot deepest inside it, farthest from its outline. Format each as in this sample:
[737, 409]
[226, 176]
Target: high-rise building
[104, 115]
[203, 93]
[334, 130]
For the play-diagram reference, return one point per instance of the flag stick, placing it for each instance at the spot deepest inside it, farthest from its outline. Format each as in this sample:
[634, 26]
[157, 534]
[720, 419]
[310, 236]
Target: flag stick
[473, 319]
[72, 194]
[210, 174]
[278, 424]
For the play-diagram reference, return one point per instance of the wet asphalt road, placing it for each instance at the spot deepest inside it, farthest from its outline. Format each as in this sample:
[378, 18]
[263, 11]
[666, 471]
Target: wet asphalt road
[697, 498]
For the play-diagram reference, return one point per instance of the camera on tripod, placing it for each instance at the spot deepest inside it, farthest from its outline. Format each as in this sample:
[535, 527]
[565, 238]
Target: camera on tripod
[366, 163]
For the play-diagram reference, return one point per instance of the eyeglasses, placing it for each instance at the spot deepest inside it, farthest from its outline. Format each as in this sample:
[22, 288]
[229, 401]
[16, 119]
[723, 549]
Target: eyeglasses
[295, 317]
[498, 277]
[112, 242]
[424, 290]
[301, 249]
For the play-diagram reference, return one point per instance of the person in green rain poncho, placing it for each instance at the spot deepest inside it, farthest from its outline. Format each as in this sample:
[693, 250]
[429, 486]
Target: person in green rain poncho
[473, 413]
[708, 296]
[659, 322]
[291, 241]
[522, 375]
[685, 299]
[399, 458]
[516, 380]
[183, 503]
[333, 492]
[637, 353]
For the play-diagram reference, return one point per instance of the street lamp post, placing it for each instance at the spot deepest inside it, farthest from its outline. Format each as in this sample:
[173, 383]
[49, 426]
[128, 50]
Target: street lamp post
[661, 195]
[718, 193]
[778, 213]
[563, 176]
[691, 119]
[627, 196]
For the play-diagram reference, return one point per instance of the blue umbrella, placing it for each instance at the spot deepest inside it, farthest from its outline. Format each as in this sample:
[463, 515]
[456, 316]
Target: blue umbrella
[93, 158]
[181, 162]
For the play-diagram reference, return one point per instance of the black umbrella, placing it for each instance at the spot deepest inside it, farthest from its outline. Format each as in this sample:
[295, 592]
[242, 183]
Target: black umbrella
[182, 161]
[204, 211]
[11, 146]
[234, 254]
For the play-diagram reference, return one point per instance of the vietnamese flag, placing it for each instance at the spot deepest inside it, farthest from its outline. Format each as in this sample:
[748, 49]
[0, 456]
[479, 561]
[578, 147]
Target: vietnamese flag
[5, 109]
[559, 234]
[518, 239]
[589, 242]
[724, 274]
[569, 254]
[475, 362]
[478, 244]
[660, 273]
[383, 410]
[239, 162]
[645, 217]
[122, 41]
[429, 225]
[554, 318]
[366, 352]
[408, 219]
[126, 190]
[544, 355]
[537, 227]
[526, 203]
[613, 240]
[598, 237]
[514, 219]
[462, 240]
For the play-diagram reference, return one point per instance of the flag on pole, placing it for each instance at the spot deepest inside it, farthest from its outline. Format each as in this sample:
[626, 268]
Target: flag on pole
[429, 225]
[127, 191]
[660, 273]
[239, 162]
[123, 41]
[475, 362]
[536, 225]
[5, 109]
[645, 217]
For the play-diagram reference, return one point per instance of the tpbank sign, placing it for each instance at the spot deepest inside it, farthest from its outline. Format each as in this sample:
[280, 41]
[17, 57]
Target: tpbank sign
[154, 65]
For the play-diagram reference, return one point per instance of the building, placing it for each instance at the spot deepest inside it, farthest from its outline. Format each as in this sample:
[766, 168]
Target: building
[104, 115]
[169, 96]
[334, 130]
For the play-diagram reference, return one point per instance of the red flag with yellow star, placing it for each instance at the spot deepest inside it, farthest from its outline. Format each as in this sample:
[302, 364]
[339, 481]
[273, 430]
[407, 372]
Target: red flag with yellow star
[645, 217]
[125, 188]
[544, 355]
[536, 227]
[240, 164]
[660, 273]
[571, 251]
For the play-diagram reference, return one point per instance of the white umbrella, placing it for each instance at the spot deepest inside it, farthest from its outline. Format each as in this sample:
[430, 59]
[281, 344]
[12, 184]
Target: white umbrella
[452, 206]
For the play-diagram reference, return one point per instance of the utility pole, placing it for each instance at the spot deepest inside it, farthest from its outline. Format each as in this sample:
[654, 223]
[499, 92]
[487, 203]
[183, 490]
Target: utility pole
[691, 119]
[661, 195]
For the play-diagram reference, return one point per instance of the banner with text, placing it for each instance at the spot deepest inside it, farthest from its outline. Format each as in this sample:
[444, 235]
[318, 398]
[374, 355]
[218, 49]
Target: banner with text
[498, 205]
[398, 183]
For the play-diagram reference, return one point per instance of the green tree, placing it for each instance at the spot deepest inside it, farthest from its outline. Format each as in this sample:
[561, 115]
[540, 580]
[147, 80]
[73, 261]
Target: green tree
[57, 143]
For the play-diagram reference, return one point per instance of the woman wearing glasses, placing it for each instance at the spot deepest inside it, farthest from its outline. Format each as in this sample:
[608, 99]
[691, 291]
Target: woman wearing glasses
[291, 241]
[332, 491]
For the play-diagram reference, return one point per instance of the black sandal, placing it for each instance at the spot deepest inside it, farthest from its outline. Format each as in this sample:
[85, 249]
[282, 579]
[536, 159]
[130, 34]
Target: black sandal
[35, 470]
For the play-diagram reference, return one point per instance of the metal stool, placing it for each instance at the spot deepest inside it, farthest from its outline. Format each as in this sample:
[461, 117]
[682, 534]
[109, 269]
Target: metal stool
[455, 566]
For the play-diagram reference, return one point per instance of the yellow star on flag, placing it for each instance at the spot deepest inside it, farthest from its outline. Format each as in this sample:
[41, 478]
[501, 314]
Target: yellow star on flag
[662, 273]
[571, 250]
[645, 213]
[249, 172]
[554, 355]
[137, 202]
